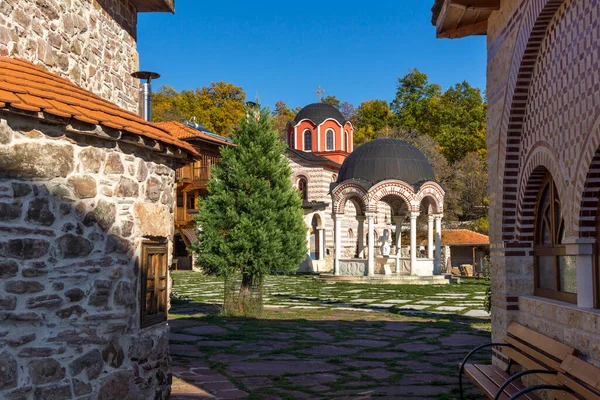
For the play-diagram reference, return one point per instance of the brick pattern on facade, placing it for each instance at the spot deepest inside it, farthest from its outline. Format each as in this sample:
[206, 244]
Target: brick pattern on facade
[90, 42]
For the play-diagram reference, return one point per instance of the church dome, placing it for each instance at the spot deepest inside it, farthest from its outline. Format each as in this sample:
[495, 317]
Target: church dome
[382, 159]
[319, 112]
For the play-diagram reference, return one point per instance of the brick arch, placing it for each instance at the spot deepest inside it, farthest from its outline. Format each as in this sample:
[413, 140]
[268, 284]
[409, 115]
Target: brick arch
[395, 188]
[349, 191]
[586, 191]
[535, 21]
[541, 160]
[434, 192]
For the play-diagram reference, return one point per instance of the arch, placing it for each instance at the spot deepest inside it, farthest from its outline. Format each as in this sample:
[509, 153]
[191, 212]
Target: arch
[394, 188]
[307, 136]
[329, 140]
[302, 184]
[346, 148]
[586, 192]
[535, 20]
[350, 234]
[349, 191]
[541, 160]
[316, 225]
[433, 192]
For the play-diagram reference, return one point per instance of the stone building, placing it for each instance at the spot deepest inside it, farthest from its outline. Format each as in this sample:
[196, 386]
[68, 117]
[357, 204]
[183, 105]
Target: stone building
[543, 135]
[86, 206]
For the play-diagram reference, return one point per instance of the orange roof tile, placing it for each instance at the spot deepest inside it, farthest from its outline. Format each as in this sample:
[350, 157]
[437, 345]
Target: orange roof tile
[455, 237]
[28, 87]
[180, 131]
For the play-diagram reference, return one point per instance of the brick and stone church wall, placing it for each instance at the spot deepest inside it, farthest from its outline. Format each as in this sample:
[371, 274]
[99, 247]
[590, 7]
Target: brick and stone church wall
[74, 210]
[90, 42]
[542, 114]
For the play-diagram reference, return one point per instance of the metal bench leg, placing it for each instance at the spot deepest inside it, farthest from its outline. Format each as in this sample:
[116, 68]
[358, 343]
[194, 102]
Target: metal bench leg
[540, 387]
[517, 376]
[462, 365]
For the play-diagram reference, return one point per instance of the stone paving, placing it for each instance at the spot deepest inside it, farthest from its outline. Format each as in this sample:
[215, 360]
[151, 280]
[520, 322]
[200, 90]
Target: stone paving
[334, 351]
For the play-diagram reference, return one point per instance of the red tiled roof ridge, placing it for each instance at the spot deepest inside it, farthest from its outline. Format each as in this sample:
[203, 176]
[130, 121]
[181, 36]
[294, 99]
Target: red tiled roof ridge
[29, 87]
[175, 128]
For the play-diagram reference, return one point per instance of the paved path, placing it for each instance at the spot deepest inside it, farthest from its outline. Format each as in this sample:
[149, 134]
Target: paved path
[320, 354]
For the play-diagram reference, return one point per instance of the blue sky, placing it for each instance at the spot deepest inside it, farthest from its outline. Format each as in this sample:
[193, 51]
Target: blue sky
[283, 50]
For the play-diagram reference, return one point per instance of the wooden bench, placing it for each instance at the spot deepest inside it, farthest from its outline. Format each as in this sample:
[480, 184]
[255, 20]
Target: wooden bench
[576, 380]
[538, 354]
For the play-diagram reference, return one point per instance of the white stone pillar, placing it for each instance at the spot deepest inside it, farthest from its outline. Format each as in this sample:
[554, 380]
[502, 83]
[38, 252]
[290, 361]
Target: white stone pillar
[437, 267]
[413, 242]
[584, 261]
[430, 236]
[371, 239]
[308, 235]
[361, 236]
[337, 242]
[321, 244]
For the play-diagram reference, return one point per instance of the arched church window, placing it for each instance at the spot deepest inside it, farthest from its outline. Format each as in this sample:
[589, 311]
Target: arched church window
[303, 187]
[307, 140]
[555, 272]
[329, 137]
[350, 234]
[346, 142]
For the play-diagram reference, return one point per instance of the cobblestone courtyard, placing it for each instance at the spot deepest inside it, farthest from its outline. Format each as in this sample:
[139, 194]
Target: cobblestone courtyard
[325, 341]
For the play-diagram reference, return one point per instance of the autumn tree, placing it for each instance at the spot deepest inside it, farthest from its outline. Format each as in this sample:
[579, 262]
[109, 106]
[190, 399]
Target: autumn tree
[348, 111]
[219, 106]
[332, 100]
[281, 115]
[252, 221]
[371, 118]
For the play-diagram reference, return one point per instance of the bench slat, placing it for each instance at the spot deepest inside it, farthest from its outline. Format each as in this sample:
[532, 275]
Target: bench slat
[577, 388]
[498, 376]
[582, 370]
[548, 345]
[488, 387]
[528, 363]
[536, 355]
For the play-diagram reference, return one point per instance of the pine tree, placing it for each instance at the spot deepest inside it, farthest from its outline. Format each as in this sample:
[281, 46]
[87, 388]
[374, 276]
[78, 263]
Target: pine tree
[251, 223]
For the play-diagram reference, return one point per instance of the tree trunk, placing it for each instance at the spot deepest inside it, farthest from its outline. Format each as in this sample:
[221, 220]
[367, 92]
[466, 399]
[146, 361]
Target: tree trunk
[245, 290]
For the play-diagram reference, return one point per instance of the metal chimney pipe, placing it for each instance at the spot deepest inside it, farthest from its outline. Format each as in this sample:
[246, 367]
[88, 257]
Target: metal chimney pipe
[145, 109]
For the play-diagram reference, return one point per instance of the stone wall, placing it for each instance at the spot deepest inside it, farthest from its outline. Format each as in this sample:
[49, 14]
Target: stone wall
[90, 42]
[74, 211]
[542, 116]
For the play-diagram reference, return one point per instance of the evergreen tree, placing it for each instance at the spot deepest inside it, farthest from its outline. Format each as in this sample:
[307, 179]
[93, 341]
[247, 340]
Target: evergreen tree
[252, 222]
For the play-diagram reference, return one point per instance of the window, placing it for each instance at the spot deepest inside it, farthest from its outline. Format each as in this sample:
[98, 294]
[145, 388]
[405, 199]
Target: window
[555, 272]
[154, 278]
[346, 142]
[350, 234]
[303, 187]
[307, 140]
[329, 136]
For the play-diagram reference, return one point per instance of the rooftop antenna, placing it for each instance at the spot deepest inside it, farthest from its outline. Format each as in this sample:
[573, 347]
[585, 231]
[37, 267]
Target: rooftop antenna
[319, 92]
[146, 93]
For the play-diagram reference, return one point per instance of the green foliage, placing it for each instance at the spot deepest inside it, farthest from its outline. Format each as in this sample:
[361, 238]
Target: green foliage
[252, 222]
[281, 115]
[332, 100]
[219, 106]
[471, 179]
[413, 102]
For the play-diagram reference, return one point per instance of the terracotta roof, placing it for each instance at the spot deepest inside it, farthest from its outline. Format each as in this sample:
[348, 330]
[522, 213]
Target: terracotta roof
[180, 131]
[28, 87]
[455, 237]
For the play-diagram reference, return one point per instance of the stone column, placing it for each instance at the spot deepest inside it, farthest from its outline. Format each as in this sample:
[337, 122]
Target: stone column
[413, 242]
[371, 239]
[437, 267]
[321, 244]
[430, 236]
[398, 222]
[361, 236]
[337, 242]
[584, 261]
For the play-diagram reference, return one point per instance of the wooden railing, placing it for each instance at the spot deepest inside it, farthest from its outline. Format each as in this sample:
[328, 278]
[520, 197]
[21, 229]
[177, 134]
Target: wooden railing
[183, 216]
[195, 172]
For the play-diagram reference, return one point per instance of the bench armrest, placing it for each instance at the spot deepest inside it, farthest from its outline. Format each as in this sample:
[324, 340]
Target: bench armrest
[520, 374]
[475, 350]
[540, 387]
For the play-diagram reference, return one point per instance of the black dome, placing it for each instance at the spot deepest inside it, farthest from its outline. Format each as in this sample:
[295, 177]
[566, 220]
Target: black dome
[319, 112]
[383, 159]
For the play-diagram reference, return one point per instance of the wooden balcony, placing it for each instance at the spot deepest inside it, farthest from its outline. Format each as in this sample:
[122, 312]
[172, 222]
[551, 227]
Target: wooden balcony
[195, 173]
[184, 216]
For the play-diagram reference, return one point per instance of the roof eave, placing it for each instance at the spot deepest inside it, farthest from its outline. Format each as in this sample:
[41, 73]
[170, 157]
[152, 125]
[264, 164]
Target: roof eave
[154, 5]
[455, 19]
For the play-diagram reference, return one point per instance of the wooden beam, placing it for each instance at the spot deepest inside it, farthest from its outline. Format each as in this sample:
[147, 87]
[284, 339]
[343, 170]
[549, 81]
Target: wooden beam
[489, 5]
[479, 28]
